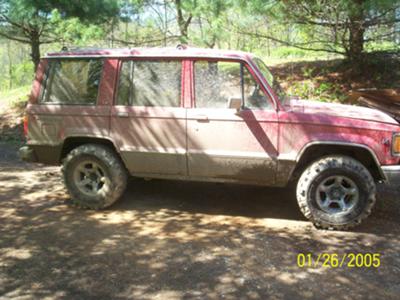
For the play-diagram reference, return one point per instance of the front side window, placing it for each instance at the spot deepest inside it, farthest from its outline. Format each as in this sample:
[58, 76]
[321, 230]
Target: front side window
[150, 83]
[270, 79]
[217, 82]
[72, 81]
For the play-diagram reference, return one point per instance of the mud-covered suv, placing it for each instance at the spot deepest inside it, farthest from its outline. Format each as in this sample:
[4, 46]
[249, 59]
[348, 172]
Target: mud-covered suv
[208, 115]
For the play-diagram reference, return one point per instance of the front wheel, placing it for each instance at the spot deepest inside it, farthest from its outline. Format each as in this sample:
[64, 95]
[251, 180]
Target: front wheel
[94, 176]
[336, 192]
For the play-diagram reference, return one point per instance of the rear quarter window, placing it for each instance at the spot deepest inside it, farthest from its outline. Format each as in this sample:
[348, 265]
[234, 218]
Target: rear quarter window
[72, 81]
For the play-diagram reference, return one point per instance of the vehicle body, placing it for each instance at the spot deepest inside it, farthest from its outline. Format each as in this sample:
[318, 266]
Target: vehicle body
[187, 123]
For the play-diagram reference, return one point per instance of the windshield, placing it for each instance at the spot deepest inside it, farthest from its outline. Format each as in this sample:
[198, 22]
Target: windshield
[270, 79]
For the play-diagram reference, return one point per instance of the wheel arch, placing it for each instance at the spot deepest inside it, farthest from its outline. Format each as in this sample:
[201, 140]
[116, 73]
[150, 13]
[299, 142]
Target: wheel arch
[360, 152]
[72, 142]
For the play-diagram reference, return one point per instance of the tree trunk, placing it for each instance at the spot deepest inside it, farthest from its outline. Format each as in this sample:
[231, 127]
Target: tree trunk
[182, 23]
[10, 66]
[356, 41]
[356, 33]
[112, 33]
[35, 49]
[165, 23]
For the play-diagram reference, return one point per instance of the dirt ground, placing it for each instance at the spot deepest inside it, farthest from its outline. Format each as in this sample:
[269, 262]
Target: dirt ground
[175, 240]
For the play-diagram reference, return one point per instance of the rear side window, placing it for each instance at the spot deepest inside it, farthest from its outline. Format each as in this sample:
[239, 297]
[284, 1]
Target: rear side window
[150, 83]
[72, 81]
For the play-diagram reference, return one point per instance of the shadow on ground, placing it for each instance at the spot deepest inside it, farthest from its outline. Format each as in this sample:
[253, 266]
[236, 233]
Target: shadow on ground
[175, 240]
[212, 199]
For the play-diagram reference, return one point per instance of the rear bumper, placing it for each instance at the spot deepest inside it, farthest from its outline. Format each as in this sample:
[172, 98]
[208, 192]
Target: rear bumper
[45, 154]
[392, 173]
[26, 153]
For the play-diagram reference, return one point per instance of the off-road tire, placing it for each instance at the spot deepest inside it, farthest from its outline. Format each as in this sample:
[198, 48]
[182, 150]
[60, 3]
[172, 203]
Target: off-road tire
[110, 163]
[321, 169]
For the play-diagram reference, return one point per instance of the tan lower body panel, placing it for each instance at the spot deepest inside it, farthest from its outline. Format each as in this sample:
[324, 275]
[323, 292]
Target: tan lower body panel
[155, 163]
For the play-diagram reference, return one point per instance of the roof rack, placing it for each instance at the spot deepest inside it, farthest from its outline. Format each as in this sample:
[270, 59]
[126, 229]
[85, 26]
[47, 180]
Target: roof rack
[77, 49]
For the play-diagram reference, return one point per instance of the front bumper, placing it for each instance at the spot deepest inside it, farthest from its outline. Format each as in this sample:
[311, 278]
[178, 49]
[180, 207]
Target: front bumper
[26, 153]
[392, 174]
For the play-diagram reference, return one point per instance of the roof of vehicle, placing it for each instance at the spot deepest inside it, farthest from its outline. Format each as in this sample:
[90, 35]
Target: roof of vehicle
[180, 51]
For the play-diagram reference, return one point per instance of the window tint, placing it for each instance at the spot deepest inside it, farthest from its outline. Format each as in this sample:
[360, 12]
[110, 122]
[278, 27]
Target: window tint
[218, 82]
[72, 81]
[150, 83]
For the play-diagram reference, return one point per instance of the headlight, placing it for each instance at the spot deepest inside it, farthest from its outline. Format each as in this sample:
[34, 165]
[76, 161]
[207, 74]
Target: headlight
[396, 144]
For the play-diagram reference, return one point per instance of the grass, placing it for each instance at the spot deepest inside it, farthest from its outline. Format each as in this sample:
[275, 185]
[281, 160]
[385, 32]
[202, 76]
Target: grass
[278, 60]
[332, 80]
[15, 97]
[12, 104]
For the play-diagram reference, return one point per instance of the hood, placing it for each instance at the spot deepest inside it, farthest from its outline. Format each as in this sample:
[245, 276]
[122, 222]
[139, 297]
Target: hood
[340, 110]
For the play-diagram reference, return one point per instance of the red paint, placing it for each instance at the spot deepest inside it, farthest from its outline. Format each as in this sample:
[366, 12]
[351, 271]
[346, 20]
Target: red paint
[309, 121]
[282, 132]
[36, 86]
[26, 119]
[108, 82]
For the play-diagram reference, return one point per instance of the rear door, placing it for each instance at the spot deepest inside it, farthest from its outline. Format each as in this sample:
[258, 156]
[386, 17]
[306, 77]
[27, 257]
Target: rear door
[224, 143]
[148, 122]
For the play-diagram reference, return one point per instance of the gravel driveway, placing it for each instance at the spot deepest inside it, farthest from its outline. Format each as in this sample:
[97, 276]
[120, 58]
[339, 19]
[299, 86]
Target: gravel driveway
[176, 240]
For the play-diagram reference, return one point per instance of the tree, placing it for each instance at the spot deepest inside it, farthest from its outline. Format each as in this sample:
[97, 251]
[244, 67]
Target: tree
[212, 16]
[342, 26]
[30, 21]
[183, 22]
[207, 15]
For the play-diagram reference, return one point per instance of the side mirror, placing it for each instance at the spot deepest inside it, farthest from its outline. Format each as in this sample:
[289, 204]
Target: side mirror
[235, 103]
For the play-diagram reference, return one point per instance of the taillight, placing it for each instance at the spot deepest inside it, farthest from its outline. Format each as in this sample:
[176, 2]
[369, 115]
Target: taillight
[26, 125]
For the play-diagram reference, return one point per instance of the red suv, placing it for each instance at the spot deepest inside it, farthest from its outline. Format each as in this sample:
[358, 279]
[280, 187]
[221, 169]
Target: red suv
[208, 115]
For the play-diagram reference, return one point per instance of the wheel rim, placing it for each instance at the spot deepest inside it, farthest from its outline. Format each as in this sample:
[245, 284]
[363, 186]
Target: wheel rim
[90, 178]
[337, 195]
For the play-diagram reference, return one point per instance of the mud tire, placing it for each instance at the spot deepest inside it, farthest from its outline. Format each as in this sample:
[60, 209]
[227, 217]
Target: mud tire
[323, 168]
[114, 170]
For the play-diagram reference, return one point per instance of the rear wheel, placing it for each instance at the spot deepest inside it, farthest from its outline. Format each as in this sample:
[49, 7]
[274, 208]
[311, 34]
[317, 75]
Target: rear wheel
[94, 176]
[336, 192]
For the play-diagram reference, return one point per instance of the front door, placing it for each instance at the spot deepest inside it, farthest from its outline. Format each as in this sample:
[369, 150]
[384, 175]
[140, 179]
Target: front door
[148, 122]
[226, 144]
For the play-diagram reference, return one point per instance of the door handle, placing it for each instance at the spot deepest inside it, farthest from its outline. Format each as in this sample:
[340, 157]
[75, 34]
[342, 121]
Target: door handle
[201, 118]
[122, 114]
